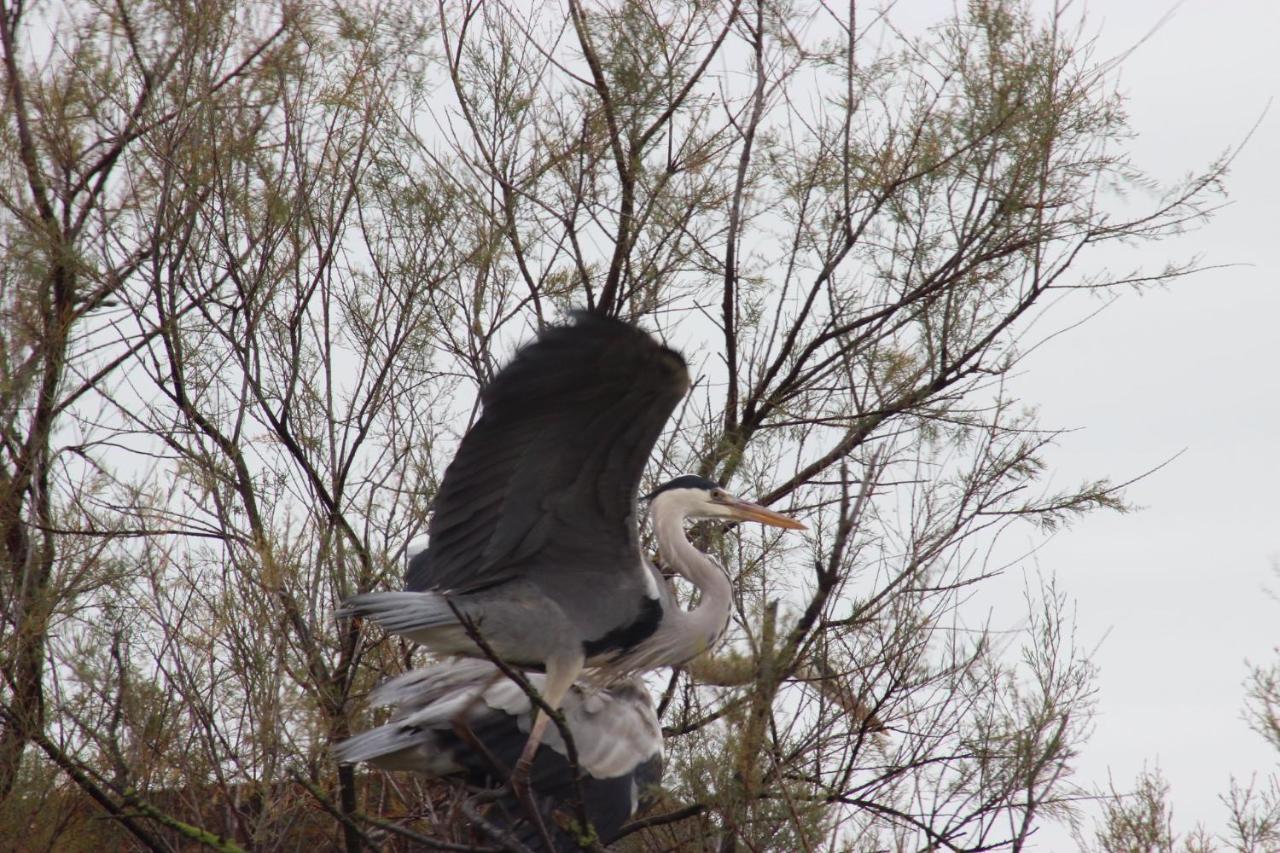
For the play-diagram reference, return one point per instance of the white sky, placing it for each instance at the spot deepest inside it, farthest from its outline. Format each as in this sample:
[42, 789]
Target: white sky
[1176, 594]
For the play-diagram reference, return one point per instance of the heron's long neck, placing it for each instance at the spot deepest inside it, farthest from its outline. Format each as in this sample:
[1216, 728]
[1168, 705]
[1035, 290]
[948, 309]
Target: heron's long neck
[698, 628]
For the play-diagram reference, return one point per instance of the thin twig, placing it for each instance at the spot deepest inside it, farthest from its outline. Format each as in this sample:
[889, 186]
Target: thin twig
[333, 810]
[425, 840]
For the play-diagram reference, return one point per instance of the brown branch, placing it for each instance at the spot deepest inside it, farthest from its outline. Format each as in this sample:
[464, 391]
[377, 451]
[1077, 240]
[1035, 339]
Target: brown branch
[662, 820]
[728, 309]
[82, 780]
[609, 302]
[342, 815]
[11, 17]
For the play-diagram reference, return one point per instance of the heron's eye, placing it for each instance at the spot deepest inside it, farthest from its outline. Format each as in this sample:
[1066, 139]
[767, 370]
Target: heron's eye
[717, 494]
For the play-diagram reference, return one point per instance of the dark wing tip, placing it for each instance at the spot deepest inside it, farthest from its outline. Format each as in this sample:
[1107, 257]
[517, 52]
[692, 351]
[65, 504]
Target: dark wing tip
[663, 358]
[604, 348]
[675, 365]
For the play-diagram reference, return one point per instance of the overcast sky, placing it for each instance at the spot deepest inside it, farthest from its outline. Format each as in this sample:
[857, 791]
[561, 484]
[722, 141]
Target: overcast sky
[1176, 594]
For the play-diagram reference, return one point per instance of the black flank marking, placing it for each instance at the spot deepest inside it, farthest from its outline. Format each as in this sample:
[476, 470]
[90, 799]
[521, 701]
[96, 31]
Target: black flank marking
[628, 636]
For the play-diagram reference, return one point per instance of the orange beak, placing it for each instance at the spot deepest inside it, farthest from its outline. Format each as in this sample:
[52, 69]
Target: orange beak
[754, 512]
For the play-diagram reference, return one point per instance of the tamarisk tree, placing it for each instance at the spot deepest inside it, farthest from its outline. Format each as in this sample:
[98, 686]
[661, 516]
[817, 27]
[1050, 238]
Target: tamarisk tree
[258, 258]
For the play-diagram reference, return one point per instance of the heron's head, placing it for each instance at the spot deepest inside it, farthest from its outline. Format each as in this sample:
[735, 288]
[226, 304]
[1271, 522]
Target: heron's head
[698, 497]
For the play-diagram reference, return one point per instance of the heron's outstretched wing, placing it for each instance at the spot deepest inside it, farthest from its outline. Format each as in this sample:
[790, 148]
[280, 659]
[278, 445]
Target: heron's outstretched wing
[545, 482]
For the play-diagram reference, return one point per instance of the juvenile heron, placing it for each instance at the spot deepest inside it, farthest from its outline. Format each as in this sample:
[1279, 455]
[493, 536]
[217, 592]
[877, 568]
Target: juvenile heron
[534, 539]
[615, 731]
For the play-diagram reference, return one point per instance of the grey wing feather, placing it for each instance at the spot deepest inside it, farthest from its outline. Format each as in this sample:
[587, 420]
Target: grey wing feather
[615, 728]
[616, 731]
[546, 479]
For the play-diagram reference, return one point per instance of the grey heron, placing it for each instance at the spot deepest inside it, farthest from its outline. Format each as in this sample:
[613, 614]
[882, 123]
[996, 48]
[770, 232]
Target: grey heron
[614, 729]
[534, 539]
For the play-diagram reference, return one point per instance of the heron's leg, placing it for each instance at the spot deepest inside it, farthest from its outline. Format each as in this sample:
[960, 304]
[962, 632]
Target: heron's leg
[561, 673]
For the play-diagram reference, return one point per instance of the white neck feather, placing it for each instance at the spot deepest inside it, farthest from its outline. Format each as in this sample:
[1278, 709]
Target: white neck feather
[692, 632]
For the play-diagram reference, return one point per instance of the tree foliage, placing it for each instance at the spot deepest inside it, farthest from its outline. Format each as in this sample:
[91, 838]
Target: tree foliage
[257, 258]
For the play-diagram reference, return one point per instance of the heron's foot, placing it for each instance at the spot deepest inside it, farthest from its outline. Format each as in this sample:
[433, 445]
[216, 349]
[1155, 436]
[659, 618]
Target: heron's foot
[523, 794]
[520, 778]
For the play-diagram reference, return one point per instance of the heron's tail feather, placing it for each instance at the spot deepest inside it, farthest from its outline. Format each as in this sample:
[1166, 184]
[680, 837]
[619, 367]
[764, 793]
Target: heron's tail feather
[401, 612]
[397, 746]
[427, 702]
[376, 744]
[438, 688]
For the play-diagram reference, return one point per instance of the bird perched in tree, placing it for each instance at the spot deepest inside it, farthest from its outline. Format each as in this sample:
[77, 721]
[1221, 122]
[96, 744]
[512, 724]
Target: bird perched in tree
[534, 542]
[615, 731]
